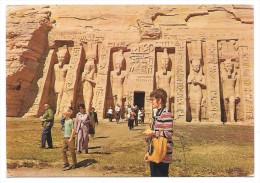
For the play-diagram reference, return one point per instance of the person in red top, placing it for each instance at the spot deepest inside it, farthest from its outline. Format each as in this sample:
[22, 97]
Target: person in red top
[162, 125]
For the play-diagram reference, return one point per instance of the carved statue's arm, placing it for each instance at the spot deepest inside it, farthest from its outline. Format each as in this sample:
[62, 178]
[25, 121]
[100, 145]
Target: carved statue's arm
[237, 87]
[157, 80]
[202, 83]
[172, 85]
[125, 84]
[83, 76]
[189, 81]
[91, 74]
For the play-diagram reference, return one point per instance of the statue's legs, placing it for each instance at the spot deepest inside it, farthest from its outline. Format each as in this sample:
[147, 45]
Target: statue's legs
[232, 108]
[59, 95]
[88, 96]
[195, 110]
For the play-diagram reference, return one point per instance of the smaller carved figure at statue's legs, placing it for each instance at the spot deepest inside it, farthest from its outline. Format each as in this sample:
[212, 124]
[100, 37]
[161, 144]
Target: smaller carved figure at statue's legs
[88, 95]
[232, 108]
[195, 111]
[59, 96]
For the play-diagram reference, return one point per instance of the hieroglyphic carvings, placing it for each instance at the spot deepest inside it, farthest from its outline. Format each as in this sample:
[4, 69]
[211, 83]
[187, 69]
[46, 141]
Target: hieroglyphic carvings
[180, 81]
[213, 81]
[44, 87]
[247, 85]
[99, 93]
[102, 79]
[141, 61]
[77, 38]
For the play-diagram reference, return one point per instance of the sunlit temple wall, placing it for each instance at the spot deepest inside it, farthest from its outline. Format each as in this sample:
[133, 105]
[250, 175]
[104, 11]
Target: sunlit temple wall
[105, 56]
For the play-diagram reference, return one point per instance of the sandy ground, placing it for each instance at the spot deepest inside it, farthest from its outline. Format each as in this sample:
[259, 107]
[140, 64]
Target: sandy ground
[107, 134]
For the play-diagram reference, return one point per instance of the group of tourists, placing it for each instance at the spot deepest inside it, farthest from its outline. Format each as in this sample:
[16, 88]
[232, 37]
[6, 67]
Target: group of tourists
[84, 125]
[82, 128]
[133, 115]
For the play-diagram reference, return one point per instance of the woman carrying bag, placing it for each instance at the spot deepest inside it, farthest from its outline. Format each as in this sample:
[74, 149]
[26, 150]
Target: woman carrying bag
[161, 127]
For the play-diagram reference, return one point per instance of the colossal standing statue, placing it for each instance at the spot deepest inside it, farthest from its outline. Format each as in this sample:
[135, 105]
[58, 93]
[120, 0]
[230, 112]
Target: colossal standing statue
[196, 81]
[60, 72]
[165, 79]
[117, 78]
[229, 78]
[88, 82]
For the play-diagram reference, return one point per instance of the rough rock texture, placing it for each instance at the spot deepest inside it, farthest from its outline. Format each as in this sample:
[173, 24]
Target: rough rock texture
[208, 37]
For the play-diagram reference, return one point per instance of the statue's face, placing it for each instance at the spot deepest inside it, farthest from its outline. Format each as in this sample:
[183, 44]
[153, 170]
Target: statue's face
[118, 67]
[196, 65]
[229, 67]
[164, 63]
[61, 57]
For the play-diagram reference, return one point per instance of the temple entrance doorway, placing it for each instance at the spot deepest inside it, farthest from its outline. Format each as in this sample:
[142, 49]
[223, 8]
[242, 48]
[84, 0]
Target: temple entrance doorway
[139, 99]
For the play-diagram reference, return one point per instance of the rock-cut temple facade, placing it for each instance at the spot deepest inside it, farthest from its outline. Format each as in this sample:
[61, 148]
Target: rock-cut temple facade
[103, 56]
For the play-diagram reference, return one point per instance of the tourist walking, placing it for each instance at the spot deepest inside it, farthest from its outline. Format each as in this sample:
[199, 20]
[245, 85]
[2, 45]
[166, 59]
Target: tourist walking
[162, 125]
[93, 122]
[47, 124]
[68, 140]
[139, 116]
[62, 120]
[142, 115]
[110, 113]
[131, 119]
[82, 129]
[118, 110]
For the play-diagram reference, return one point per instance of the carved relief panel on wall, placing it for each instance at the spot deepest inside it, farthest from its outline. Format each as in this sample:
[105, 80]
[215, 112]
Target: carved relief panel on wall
[229, 79]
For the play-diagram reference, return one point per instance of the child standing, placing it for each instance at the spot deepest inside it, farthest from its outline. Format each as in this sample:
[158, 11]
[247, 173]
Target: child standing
[69, 140]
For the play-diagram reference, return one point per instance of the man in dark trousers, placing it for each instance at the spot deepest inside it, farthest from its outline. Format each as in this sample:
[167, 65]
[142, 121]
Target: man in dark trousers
[47, 124]
[93, 122]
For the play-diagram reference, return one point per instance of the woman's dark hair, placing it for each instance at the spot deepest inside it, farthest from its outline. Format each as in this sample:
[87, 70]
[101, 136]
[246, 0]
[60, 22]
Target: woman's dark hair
[81, 105]
[159, 93]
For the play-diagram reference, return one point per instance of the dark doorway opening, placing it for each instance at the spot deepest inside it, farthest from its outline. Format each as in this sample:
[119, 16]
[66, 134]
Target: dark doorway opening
[139, 99]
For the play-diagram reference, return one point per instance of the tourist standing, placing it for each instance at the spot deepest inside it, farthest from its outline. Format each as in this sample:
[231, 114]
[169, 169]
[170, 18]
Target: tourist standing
[162, 125]
[47, 124]
[132, 117]
[110, 113]
[142, 115]
[117, 109]
[93, 122]
[68, 140]
[82, 128]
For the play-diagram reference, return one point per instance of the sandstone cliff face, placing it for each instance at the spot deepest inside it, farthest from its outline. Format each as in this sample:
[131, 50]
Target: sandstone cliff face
[27, 43]
[35, 35]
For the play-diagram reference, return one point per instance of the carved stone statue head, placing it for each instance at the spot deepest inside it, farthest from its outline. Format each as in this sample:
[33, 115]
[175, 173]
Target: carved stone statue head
[195, 64]
[119, 62]
[229, 67]
[63, 55]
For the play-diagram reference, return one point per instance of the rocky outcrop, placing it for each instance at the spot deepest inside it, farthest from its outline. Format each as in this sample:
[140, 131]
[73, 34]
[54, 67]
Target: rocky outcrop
[27, 43]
